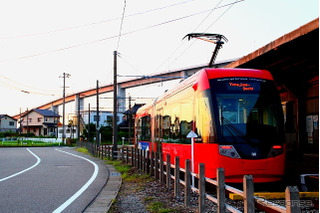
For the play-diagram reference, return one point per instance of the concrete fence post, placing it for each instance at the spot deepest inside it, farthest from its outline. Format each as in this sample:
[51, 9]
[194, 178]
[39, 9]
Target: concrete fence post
[147, 163]
[248, 190]
[122, 154]
[161, 168]
[176, 176]
[168, 167]
[292, 200]
[132, 161]
[139, 158]
[152, 164]
[156, 166]
[136, 157]
[187, 178]
[143, 160]
[221, 191]
[202, 188]
[127, 155]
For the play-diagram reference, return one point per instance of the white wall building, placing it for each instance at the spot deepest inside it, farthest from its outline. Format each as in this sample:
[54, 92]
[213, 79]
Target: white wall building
[7, 123]
[70, 131]
[105, 117]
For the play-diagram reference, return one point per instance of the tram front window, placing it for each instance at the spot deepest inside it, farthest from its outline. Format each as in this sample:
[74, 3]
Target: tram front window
[249, 110]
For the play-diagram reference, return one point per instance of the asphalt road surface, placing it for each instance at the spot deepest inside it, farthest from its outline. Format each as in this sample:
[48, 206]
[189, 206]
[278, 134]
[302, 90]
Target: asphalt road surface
[48, 180]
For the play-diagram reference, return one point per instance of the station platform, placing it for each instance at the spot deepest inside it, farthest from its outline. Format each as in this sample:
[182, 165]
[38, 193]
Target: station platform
[307, 165]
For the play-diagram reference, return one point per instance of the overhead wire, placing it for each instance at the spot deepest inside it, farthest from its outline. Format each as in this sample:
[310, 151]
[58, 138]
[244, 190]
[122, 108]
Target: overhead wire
[27, 91]
[230, 5]
[104, 39]
[121, 23]
[94, 23]
[26, 88]
[124, 59]
[115, 36]
[24, 85]
[182, 43]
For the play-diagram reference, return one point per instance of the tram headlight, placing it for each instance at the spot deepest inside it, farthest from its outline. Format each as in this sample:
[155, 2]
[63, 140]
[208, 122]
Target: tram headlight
[229, 151]
[275, 151]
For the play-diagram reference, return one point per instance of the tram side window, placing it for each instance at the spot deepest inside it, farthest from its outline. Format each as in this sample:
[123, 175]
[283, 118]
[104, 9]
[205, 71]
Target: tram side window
[158, 127]
[186, 117]
[166, 122]
[175, 123]
[174, 119]
[145, 128]
[204, 119]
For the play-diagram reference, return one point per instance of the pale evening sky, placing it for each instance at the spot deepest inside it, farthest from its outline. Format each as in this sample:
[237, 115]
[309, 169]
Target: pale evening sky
[41, 39]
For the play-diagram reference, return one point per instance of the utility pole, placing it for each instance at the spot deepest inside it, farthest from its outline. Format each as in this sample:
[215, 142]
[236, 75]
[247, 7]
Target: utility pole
[65, 75]
[98, 116]
[115, 103]
[20, 126]
[89, 123]
[28, 122]
[78, 119]
[129, 118]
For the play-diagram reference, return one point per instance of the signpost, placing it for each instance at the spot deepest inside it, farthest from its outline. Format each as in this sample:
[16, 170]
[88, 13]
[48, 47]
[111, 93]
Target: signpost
[192, 135]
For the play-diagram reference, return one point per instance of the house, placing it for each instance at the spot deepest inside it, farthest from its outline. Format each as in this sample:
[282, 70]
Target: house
[7, 123]
[70, 129]
[106, 117]
[40, 122]
[129, 117]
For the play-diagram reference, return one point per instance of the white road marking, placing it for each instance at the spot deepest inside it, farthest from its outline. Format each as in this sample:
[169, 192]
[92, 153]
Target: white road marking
[83, 188]
[31, 167]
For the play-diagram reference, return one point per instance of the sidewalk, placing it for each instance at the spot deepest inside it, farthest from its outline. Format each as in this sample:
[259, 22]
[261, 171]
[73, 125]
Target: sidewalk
[104, 200]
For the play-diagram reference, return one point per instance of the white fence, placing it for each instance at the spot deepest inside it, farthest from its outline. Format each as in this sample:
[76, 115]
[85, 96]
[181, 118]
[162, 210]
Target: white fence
[45, 140]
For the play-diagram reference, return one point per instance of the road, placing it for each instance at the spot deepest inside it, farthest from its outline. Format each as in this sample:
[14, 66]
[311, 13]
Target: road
[48, 180]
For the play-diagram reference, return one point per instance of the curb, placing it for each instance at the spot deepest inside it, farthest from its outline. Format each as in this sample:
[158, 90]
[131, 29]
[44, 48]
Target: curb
[108, 194]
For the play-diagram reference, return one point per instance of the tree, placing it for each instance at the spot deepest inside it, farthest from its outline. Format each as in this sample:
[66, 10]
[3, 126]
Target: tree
[93, 131]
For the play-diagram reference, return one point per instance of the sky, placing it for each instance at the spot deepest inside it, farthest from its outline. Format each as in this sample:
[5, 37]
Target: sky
[42, 39]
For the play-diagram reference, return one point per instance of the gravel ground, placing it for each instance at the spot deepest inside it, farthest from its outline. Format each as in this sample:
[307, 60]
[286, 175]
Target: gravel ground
[141, 196]
[150, 196]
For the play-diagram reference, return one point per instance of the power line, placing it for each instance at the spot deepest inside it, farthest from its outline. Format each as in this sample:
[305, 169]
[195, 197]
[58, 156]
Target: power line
[121, 23]
[207, 16]
[93, 23]
[230, 5]
[26, 86]
[128, 63]
[24, 90]
[115, 36]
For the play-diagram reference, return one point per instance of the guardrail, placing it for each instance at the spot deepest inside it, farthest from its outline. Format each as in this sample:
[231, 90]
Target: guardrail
[153, 164]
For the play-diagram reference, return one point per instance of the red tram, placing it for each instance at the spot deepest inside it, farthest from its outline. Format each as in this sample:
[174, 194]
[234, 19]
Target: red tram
[238, 119]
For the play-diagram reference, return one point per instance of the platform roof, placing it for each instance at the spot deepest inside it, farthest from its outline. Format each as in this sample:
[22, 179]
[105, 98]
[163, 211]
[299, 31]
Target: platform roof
[292, 59]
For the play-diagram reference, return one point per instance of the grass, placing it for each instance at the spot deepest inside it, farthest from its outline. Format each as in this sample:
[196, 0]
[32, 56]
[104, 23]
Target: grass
[155, 206]
[83, 150]
[130, 175]
[158, 207]
[127, 173]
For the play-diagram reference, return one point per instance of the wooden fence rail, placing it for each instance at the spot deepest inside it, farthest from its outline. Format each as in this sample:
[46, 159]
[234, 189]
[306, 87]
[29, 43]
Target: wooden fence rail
[153, 164]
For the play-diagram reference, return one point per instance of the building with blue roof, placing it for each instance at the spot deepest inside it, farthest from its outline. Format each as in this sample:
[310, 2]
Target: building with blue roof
[40, 122]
